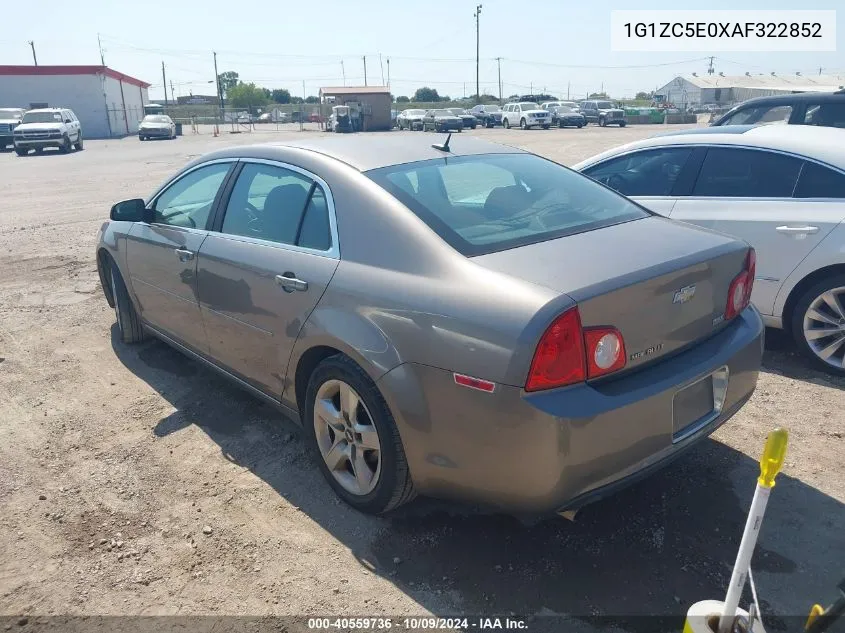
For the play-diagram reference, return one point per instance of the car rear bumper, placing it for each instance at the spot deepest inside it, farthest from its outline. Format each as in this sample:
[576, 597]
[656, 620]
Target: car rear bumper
[560, 449]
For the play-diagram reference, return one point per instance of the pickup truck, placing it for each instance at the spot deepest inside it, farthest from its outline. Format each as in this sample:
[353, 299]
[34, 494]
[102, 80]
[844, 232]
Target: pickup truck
[10, 118]
[48, 127]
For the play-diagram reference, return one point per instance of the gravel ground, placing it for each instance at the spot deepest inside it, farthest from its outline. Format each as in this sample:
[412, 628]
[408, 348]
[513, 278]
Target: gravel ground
[134, 481]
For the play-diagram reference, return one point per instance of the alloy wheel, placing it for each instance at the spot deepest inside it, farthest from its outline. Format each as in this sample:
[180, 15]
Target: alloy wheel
[347, 437]
[824, 327]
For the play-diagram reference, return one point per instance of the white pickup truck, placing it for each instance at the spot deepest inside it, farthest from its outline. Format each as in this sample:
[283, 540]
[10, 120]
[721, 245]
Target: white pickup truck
[10, 118]
[48, 127]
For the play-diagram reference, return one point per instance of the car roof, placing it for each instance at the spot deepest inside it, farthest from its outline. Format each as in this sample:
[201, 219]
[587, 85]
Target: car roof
[371, 151]
[46, 110]
[820, 143]
[797, 96]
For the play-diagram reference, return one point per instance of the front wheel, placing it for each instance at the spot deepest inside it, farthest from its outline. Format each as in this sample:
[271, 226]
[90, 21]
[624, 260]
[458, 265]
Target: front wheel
[523, 124]
[66, 145]
[818, 324]
[128, 320]
[354, 437]
[489, 124]
[602, 122]
[545, 127]
[506, 124]
[623, 124]
[580, 125]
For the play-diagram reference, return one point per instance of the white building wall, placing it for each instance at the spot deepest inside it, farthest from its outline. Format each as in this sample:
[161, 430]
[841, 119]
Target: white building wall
[96, 100]
[681, 92]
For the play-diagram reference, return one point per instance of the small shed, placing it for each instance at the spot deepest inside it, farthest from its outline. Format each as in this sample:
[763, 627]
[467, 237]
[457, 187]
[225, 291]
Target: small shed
[375, 103]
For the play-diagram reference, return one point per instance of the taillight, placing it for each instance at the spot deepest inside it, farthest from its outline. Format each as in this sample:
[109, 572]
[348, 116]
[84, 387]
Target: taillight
[605, 351]
[567, 353]
[559, 358]
[739, 293]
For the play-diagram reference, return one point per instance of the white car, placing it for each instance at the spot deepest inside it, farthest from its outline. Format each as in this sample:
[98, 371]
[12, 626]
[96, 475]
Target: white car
[156, 126]
[780, 188]
[526, 115]
[48, 127]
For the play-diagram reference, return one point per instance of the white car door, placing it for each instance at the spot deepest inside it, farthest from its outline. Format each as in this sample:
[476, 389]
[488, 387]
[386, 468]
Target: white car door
[648, 176]
[756, 195]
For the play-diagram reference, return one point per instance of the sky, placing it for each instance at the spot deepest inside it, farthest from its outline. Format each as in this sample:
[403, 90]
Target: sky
[563, 48]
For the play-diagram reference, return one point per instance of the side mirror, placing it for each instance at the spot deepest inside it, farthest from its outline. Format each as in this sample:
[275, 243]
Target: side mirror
[68, 121]
[134, 210]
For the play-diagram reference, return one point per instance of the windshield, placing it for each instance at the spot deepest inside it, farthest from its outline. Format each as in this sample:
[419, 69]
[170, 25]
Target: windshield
[42, 117]
[605, 105]
[456, 111]
[441, 113]
[492, 108]
[491, 202]
[527, 105]
[10, 113]
[156, 118]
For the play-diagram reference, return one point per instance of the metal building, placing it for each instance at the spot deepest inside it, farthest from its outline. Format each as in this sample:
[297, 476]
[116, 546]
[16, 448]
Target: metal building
[375, 103]
[691, 90]
[108, 103]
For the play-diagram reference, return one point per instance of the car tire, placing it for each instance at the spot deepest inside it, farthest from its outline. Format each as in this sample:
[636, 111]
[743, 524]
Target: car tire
[66, 145]
[79, 144]
[390, 485]
[623, 124]
[546, 127]
[802, 324]
[602, 122]
[523, 124]
[127, 317]
[506, 124]
[21, 152]
[580, 125]
[489, 124]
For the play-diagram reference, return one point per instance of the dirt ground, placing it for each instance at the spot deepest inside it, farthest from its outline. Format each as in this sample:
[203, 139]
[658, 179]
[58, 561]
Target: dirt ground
[134, 481]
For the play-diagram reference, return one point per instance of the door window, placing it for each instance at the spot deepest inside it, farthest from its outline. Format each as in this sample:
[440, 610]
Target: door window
[829, 114]
[820, 182]
[649, 173]
[188, 201]
[268, 203]
[744, 173]
[760, 114]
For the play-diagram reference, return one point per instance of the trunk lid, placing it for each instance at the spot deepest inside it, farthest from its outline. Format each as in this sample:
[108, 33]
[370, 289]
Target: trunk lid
[662, 284]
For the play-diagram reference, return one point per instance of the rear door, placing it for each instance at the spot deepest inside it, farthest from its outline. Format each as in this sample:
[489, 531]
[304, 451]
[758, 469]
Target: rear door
[264, 267]
[161, 256]
[650, 176]
[754, 195]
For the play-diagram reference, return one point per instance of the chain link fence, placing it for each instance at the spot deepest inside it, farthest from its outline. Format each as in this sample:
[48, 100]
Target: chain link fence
[197, 119]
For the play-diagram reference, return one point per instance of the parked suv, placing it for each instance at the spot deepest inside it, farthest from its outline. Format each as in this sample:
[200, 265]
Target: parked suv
[526, 115]
[48, 127]
[603, 112]
[10, 118]
[826, 109]
[488, 115]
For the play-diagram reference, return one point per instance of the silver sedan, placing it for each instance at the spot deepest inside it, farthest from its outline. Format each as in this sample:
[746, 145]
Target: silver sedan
[460, 319]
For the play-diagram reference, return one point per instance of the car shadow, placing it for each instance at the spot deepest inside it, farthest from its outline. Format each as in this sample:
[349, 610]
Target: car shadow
[782, 357]
[651, 550]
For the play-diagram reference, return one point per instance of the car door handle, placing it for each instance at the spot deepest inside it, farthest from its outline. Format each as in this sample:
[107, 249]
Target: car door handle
[797, 229]
[289, 283]
[184, 255]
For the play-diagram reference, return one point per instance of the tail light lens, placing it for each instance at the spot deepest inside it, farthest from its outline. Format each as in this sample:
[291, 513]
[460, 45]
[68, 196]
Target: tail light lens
[739, 293]
[559, 358]
[605, 351]
[568, 354]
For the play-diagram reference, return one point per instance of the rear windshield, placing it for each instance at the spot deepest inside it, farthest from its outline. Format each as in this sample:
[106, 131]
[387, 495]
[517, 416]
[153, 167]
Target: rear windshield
[156, 118]
[487, 203]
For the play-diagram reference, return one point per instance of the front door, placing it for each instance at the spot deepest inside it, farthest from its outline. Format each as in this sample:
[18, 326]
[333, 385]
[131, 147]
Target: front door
[161, 256]
[757, 196]
[264, 268]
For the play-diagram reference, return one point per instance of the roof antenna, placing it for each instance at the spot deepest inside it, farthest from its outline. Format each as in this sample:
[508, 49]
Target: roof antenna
[445, 146]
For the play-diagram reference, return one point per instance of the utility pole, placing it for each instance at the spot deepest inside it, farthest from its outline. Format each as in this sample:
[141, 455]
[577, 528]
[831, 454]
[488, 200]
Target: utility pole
[32, 46]
[343, 70]
[567, 91]
[365, 70]
[388, 73]
[382, 68]
[477, 51]
[217, 81]
[710, 69]
[820, 68]
[499, 64]
[100, 45]
[164, 83]
[172, 91]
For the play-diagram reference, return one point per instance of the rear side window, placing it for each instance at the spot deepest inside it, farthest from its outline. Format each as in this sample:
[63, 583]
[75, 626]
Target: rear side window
[820, 182]
[744, 173]
[647, 173]
[280, 205]
[487, 203]
[829, 114]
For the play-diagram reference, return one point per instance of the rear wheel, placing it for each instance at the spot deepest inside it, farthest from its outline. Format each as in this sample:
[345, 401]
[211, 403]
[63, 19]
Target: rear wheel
[78, 144]
[818, 324]
[128, 320]
[622, 124]
[489, 123]
[355, 439]
[580, 125]
[21, 152]
[545, 127]
[602, 122]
